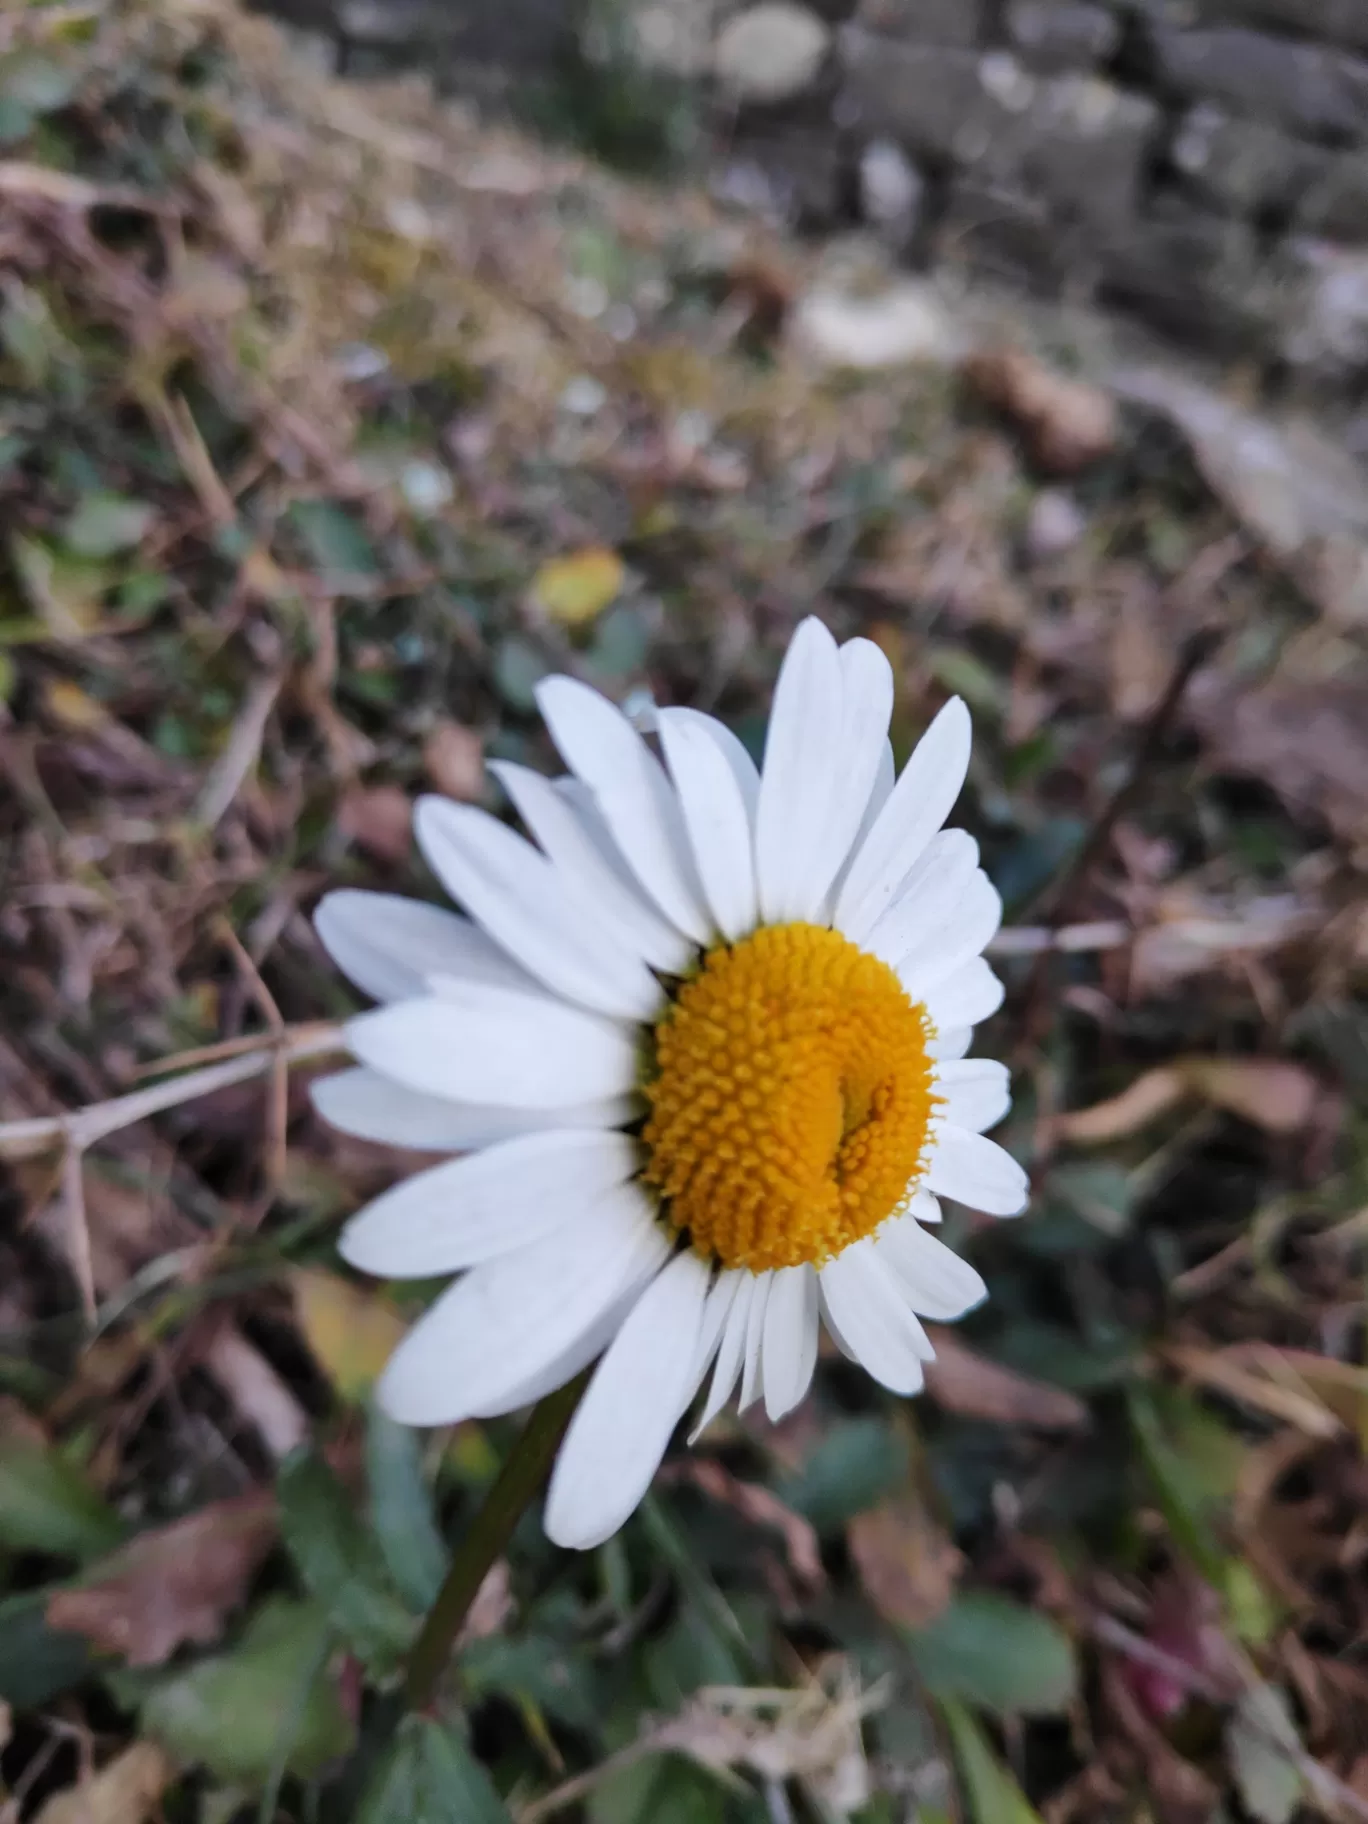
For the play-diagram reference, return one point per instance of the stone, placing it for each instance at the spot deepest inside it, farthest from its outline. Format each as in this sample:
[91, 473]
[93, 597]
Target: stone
[930, 98]
[1335, 204]
[1326, 328]
[1191, 274]
[1333, 21]
[316, 51]
[771, 52]
[1084, 144]
[1055, 35]
[395, 22]
[1307, 87]
[995, 229]
[958, 22]
[673, 36]
[1243, 167]
[797, 169]
[892, 191]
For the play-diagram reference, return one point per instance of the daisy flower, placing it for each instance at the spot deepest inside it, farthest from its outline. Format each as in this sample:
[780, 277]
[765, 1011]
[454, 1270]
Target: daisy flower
[700, 1046]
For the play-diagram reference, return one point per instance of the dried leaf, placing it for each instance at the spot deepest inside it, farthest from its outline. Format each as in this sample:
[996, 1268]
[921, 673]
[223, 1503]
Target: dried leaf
[963, 1382]
[453, 757]
[765, 1508]
[1276, 1095]
[1067, 424]
[124, 1792]
[351, 1331]
[379, 819]
[1148, 1097]
[172, 1585]
[575, 589]
[907, 1563]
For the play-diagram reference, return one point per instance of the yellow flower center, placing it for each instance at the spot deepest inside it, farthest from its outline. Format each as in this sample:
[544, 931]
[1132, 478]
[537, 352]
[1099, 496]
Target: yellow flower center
[792, 1099]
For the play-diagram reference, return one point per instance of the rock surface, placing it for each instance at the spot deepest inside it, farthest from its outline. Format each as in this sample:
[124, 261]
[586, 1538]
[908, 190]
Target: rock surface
[771, 52]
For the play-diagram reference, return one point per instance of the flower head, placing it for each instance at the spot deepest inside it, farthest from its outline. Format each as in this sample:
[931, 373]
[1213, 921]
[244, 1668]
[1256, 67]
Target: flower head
[701, 1050]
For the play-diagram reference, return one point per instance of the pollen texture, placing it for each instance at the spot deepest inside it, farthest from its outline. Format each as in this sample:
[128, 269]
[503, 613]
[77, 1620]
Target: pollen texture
[791, 1100]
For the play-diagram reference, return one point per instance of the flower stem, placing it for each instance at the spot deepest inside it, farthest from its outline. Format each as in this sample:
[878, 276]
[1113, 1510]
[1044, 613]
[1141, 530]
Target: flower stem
[525, 1469]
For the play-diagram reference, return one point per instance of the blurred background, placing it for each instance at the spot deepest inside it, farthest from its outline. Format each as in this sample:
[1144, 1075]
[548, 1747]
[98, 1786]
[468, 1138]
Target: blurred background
[358, 368]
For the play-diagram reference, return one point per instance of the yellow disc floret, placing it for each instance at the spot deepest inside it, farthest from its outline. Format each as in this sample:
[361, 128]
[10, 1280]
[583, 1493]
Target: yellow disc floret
[790, 1101]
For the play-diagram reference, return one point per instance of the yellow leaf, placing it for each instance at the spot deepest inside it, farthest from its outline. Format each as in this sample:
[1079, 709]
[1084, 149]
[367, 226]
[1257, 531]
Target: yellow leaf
[352, 1332]
[576, 589]
[124, 1792]
[70, 707]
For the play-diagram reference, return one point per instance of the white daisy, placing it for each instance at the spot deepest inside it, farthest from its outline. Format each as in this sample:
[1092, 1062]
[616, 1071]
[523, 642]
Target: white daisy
[701, 1049]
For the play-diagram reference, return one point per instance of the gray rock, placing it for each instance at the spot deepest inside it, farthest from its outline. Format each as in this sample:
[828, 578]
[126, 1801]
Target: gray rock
[1056, 35]
[928, 97]
[1190, 274]
[1335, 204]
[674, 36]
[1326, 327]
[1308, 87]
[1336, 21]
[1243, 167]
[994, 228]
[796, 170]
[957, 22]
[1083, 144]
[771, 52]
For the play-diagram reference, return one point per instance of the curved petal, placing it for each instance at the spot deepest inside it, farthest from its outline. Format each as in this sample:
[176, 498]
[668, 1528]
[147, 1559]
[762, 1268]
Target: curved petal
[923, 1206]
[873, 1319]
[976, 1172]
[731, 1350]
[866, 710]
[624, 1422]
[487, 1204]
[755, 1336]
[715, 816]
[963, 936]
[571, 834]
[362, 1102]
[798, 781]
[789, 1349]
[473, 1043]
[601, 747]
[976, 1092]
[949, 1042]
[919, 804]
[516, 895]
[971, 994]
[388, 945]
[926, 899]
[502, 1323]
[937, 1283]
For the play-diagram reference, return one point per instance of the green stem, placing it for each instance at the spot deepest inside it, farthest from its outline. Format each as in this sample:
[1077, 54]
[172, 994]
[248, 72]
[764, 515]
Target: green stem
[525, 1469]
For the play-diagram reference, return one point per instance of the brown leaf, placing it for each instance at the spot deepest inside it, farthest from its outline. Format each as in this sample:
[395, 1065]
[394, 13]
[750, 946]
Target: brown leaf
[492, 1606]
[907, 1563]
[1307, 739]
[1276, 1095]
[124, 1792]
[175, 1584]
[962, 1382]
[765, 1509]
[453, 757]
[1152, 1094]
[378, 819]
[1066, 424]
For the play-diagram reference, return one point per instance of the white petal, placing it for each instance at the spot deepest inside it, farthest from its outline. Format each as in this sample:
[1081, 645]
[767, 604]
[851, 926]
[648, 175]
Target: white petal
[601, 747]
[716, 817]
[950, 1042]
[624, 1422]
[721, 1298]
[731, 1351]
[755, 1336]
[789, 1351]
[919, 804]
[388, 945]
[973, 922]
[937, 1283]
[473, 1043]
[487, 1204]
[976, 1092]
[971, 994]
[797, 781]
[572, 834]
[884, 776]
[516, 895]
[866, 707]
[976, 1172]
[362, 1102]
[926, 899]
[868, 1308]
[504, 1321]
[923, 1206]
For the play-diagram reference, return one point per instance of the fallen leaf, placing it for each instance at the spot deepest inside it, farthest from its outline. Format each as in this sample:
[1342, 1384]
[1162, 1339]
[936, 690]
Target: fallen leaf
[124, 1792]
[71, 708]
[765, 1508]
[1151, 1094]
[453, 757]
[961, 1381]
[257, 1392]
[1272, 1093]
[352, 1332]
[907, 1563]
[1066, 423]
[172, 1585]
[575, 589]
[378, 819]
[1306, 738]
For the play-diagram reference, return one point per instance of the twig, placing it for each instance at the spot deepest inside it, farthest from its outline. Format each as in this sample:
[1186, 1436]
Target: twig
[78, 1230]
[278, 1095]
[228, 773]
[1031, 940]
[41, 1134]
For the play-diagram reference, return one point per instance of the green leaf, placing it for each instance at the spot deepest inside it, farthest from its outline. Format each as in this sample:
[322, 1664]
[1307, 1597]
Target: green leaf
[36, 1661]
[857, 1464]
[48, 1505]
[334, 540]
[1097, 1190]
[1263, 1745]
[401, 1511]
[991, 1795]
[1188, 1457]
[658, 1789]
[533, 1671]
[105, 524]
[270, 1699]
[66, 593]
[339, 1561]
[429, 1776]
[518, 669]
[997, 1654]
